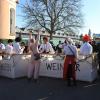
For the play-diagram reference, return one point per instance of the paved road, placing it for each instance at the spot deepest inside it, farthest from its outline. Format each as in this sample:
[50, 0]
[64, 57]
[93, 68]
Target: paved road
[47, 89]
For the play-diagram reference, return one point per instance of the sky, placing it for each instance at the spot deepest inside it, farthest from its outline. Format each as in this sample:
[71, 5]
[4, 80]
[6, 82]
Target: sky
[91, 16]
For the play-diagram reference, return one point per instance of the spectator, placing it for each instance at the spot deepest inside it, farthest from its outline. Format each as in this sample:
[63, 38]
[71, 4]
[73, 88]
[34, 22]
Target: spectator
[98, 50]
[22, 47]
[59, 47]
[94, 46]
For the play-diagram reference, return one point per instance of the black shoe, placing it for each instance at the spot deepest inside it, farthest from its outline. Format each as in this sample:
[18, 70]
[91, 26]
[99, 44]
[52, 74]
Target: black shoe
[29, 79]
[68, 85]
[69, 82]
[35, 80]
[74, 83]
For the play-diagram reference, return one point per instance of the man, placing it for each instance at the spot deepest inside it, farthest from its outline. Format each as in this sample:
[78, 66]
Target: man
[59, 47]
[86, 49]
[98, 54]
[70, 60]
[46, 47]
[94, 45]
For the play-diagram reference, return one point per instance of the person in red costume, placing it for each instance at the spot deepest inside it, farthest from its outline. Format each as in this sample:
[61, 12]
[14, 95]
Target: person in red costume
[70, 60]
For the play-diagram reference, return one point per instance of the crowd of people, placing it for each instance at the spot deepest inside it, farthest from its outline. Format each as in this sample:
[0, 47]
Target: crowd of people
[36, 49]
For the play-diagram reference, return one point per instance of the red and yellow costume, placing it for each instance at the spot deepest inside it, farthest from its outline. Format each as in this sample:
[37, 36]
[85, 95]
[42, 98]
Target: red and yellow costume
[69, 60]
[69, 63]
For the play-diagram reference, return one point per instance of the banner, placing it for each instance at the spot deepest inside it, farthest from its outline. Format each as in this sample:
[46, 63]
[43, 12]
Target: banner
[51, 66]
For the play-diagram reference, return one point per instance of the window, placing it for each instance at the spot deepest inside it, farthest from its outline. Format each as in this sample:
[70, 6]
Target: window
[12, 21]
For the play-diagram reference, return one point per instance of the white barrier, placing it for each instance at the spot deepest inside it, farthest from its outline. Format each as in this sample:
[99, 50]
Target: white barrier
[88, 69]
[7, 68]
[14, 67]
[51, 66]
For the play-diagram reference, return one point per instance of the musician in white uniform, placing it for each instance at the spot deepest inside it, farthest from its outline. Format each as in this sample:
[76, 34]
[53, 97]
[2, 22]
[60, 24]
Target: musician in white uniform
[46, 47]
[17, 46]
[86, 49]
[9, 50]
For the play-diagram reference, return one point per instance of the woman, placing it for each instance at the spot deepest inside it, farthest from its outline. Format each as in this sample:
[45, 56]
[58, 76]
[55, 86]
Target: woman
[46, 47]
[35, 58]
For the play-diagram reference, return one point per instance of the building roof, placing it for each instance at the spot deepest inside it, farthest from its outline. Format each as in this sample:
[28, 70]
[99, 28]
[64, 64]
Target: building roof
[97, 35]
[25, 31]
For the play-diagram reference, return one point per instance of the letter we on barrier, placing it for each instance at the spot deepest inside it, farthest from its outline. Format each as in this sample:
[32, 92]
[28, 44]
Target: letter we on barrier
[54, 66]
[5, 67]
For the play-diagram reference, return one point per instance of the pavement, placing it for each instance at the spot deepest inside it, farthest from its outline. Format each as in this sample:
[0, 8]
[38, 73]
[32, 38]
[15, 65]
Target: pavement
[47, 89]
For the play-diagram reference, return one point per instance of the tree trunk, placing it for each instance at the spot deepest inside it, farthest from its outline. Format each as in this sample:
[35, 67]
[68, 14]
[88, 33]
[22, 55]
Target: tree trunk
[51, 36]
[52, 31]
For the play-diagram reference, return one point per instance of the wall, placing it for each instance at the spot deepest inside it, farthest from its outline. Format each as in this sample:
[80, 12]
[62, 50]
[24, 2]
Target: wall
[5, 6]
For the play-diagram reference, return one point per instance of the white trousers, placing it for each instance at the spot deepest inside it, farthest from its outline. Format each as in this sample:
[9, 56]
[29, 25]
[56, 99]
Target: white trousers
[33, 69]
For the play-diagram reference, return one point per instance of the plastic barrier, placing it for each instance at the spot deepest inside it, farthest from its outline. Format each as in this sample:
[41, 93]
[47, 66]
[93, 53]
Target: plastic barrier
[51, 66]
[88, 68]
[15, 66]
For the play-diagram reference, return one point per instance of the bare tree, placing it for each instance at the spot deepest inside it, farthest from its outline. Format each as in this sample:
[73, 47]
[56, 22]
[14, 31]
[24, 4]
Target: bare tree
[53, 15]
